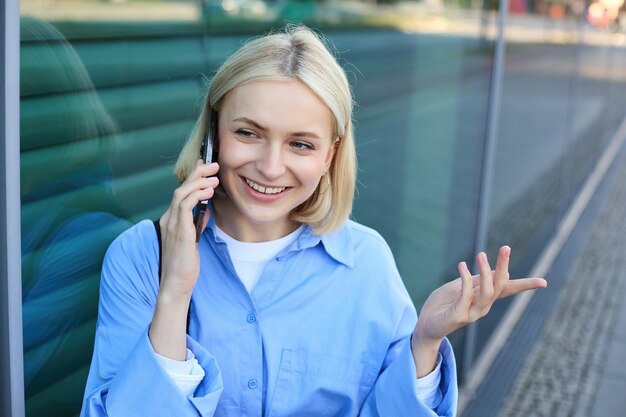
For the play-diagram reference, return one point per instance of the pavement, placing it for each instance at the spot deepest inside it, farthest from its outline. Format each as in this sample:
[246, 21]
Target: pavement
[578, 366]
[576, 363]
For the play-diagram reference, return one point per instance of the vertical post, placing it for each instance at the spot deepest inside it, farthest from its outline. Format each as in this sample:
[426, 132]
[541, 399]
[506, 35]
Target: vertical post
[11, 353]
[493, 118]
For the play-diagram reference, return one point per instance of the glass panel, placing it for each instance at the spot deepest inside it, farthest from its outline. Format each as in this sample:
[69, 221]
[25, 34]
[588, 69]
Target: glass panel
[554, 125]
[420, 127]
[597, 112]
[109, 93]
[101, 122]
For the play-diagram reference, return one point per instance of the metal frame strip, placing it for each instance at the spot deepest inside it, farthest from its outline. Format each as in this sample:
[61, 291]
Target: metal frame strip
[482, 223]
[11, 347]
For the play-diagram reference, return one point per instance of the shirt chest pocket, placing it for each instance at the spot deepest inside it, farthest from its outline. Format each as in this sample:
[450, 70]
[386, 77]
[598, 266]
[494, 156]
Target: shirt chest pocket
[317, 384]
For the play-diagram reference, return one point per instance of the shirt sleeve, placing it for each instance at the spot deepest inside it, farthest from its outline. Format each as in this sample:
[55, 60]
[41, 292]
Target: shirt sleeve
[395, 392]
[125, 378]
[428, 387]
[186, 374]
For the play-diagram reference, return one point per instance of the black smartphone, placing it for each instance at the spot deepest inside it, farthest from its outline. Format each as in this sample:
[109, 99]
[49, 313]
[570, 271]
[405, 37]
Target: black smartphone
[206, 153]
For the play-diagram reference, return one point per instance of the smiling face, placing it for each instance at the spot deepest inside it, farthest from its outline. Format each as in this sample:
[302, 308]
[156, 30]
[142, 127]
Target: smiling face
[276, 142]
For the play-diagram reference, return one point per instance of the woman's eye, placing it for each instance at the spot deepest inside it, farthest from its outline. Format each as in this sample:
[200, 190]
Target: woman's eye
[245, 133]
[302, 146]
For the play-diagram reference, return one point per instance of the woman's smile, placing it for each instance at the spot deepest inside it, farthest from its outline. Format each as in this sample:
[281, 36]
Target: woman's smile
[263, 193]
[263, 189]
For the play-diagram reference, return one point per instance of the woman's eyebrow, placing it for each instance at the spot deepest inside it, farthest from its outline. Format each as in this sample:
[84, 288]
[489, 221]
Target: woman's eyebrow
[311, 135]
[250, 122]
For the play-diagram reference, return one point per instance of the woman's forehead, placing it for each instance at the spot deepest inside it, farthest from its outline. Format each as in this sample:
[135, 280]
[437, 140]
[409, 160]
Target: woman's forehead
[288, 104]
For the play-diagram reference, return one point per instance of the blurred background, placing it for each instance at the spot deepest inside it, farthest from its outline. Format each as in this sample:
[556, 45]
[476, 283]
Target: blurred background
[469, 135]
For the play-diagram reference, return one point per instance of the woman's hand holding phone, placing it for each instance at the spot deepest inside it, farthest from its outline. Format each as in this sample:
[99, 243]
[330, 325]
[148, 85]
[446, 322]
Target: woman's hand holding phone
[180, 261]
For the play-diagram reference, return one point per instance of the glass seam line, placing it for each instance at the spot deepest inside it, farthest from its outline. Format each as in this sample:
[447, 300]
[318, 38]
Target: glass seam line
[482, 223]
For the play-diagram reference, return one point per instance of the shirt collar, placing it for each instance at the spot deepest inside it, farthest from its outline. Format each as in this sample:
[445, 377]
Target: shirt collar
[338, 245]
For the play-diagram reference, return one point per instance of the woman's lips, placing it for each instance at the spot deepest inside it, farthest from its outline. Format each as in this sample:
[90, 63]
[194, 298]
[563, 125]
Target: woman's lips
[263, 189]
[263, 193]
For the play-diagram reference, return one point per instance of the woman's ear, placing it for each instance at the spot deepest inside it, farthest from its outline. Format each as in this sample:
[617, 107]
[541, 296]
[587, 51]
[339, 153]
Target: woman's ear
[331, 153]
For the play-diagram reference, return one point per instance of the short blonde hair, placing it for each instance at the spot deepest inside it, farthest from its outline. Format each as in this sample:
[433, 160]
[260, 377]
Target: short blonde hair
[296, 53]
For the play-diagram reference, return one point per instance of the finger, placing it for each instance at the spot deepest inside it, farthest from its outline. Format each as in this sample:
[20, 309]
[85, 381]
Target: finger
[181, 202]
[515, 286]
[187, 205]
[486, 281]
[501, 275]
[203, 170]
[186, 226]
[191, 185]
[467, 288]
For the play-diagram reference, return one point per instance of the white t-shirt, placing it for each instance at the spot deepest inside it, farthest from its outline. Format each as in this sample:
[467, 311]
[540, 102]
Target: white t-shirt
[249, 259]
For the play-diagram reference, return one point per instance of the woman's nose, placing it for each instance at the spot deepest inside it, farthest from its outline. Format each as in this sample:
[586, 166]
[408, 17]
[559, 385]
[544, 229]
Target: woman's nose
[271, 165]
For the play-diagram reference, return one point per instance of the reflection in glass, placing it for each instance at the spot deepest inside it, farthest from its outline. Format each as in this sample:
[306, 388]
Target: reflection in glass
[68, 217]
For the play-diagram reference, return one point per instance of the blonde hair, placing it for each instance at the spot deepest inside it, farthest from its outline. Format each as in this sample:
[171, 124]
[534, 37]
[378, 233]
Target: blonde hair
[297, 53]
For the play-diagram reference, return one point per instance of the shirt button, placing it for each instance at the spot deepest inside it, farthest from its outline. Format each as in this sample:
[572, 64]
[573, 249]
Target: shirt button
[252, 383]
[251, 318]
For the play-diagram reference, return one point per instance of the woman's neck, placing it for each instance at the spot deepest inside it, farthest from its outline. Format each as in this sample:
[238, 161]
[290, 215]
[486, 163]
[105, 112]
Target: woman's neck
[239, 228]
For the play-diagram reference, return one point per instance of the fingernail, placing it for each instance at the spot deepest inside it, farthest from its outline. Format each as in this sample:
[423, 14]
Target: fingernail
[483, 257]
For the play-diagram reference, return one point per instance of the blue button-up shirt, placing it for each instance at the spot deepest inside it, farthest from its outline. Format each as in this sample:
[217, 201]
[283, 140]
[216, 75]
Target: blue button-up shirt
[325, 332]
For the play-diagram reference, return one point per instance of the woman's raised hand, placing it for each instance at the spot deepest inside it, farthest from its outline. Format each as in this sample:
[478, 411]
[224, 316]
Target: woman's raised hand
[463, 301]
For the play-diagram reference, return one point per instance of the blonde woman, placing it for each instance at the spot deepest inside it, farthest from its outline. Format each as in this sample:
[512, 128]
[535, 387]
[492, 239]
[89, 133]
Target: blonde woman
[284, 307]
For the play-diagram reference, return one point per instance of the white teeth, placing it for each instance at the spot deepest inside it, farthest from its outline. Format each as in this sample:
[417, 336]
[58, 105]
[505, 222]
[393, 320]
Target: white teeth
[264, 190]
